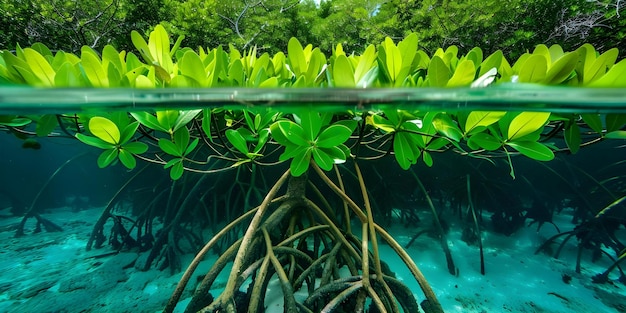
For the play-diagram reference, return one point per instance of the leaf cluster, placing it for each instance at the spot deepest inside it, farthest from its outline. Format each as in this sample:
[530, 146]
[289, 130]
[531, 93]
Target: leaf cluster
[161, 63]
[190, 139]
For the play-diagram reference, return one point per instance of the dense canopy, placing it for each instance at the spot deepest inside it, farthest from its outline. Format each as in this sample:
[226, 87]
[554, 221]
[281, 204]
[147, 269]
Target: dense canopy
[512, 26]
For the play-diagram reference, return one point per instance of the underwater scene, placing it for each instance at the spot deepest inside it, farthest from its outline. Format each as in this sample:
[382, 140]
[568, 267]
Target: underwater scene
[490, 233]
[169, 179]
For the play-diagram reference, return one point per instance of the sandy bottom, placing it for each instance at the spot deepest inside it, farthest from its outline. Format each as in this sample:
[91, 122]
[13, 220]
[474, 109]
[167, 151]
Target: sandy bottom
[52, 272]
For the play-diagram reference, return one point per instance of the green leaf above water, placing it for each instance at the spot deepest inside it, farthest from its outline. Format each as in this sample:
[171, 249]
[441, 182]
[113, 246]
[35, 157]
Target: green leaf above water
[534, 69]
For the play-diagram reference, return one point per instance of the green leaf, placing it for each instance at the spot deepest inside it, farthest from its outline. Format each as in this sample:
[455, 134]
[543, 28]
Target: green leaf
[28, 76]
[236, 73]
[381, 123]
[167, 118]
[172, 162]
[428, 159]
[206, 123]
[142, 46]
[93, 69]
[438, 72]
[67, 76]
[12, 64]
[127, 159]
[42, 49]
[46, 125]
[113, 57]
[290, 151]
[393, 59]
[561, 69]
[543, 50]
[169, 147]
[615, 121]
[297, 60]
[262, 139]
[437, 143]
[337, 153]
[403, 148]
[271, 82]
[177, 170]
[366, 64]
[526, 123]
[181, 138]
[278, 135]
[532, 149]
[480, 118]
[106, 157]
[191, 66]
[159, 45]
[192, 146]
[492, 61]
[237, 140]
[179, 40]
[128, 132]
[311, 124]
[534, 69]
[343, 73]
[615, 77]
[476, 56]
[40, 66]
[292, 132]
[14, 121]
[93, 141]
[322, 159]
[300, 162]
[594, 121]
[618, 134]
[148, 120]
[333, 136]
[485, 141]
[600, 66]
[463, 75]
[136, 147]
[247, 134]
[446, 126]
[143, 81]
[104, 129]
[572, 137]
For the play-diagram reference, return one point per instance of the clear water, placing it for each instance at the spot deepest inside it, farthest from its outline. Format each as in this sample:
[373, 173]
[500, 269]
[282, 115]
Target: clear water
[512, 97]
[45, 271]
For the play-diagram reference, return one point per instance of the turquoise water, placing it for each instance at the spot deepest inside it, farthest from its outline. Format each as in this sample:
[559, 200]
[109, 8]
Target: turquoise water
[133, 263]
[512, 97]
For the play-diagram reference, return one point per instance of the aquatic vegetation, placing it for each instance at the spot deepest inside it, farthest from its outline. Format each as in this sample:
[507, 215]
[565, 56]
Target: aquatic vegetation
[595, 233]
[292, 238]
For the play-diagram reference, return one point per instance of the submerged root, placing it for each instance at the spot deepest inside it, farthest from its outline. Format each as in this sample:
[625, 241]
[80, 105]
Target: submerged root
[298, 245]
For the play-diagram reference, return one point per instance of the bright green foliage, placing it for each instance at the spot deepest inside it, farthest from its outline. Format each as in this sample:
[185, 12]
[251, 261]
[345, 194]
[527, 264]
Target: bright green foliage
[312, 137]
[251, 140]
[306, 136]
[166, 64]
[179, 147]
[116, 144]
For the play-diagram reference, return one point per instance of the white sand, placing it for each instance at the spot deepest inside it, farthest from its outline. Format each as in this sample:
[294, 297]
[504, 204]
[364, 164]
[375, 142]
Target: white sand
[52, 272]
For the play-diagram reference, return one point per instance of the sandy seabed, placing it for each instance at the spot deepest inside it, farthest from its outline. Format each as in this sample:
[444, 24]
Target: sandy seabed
[53, 272]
